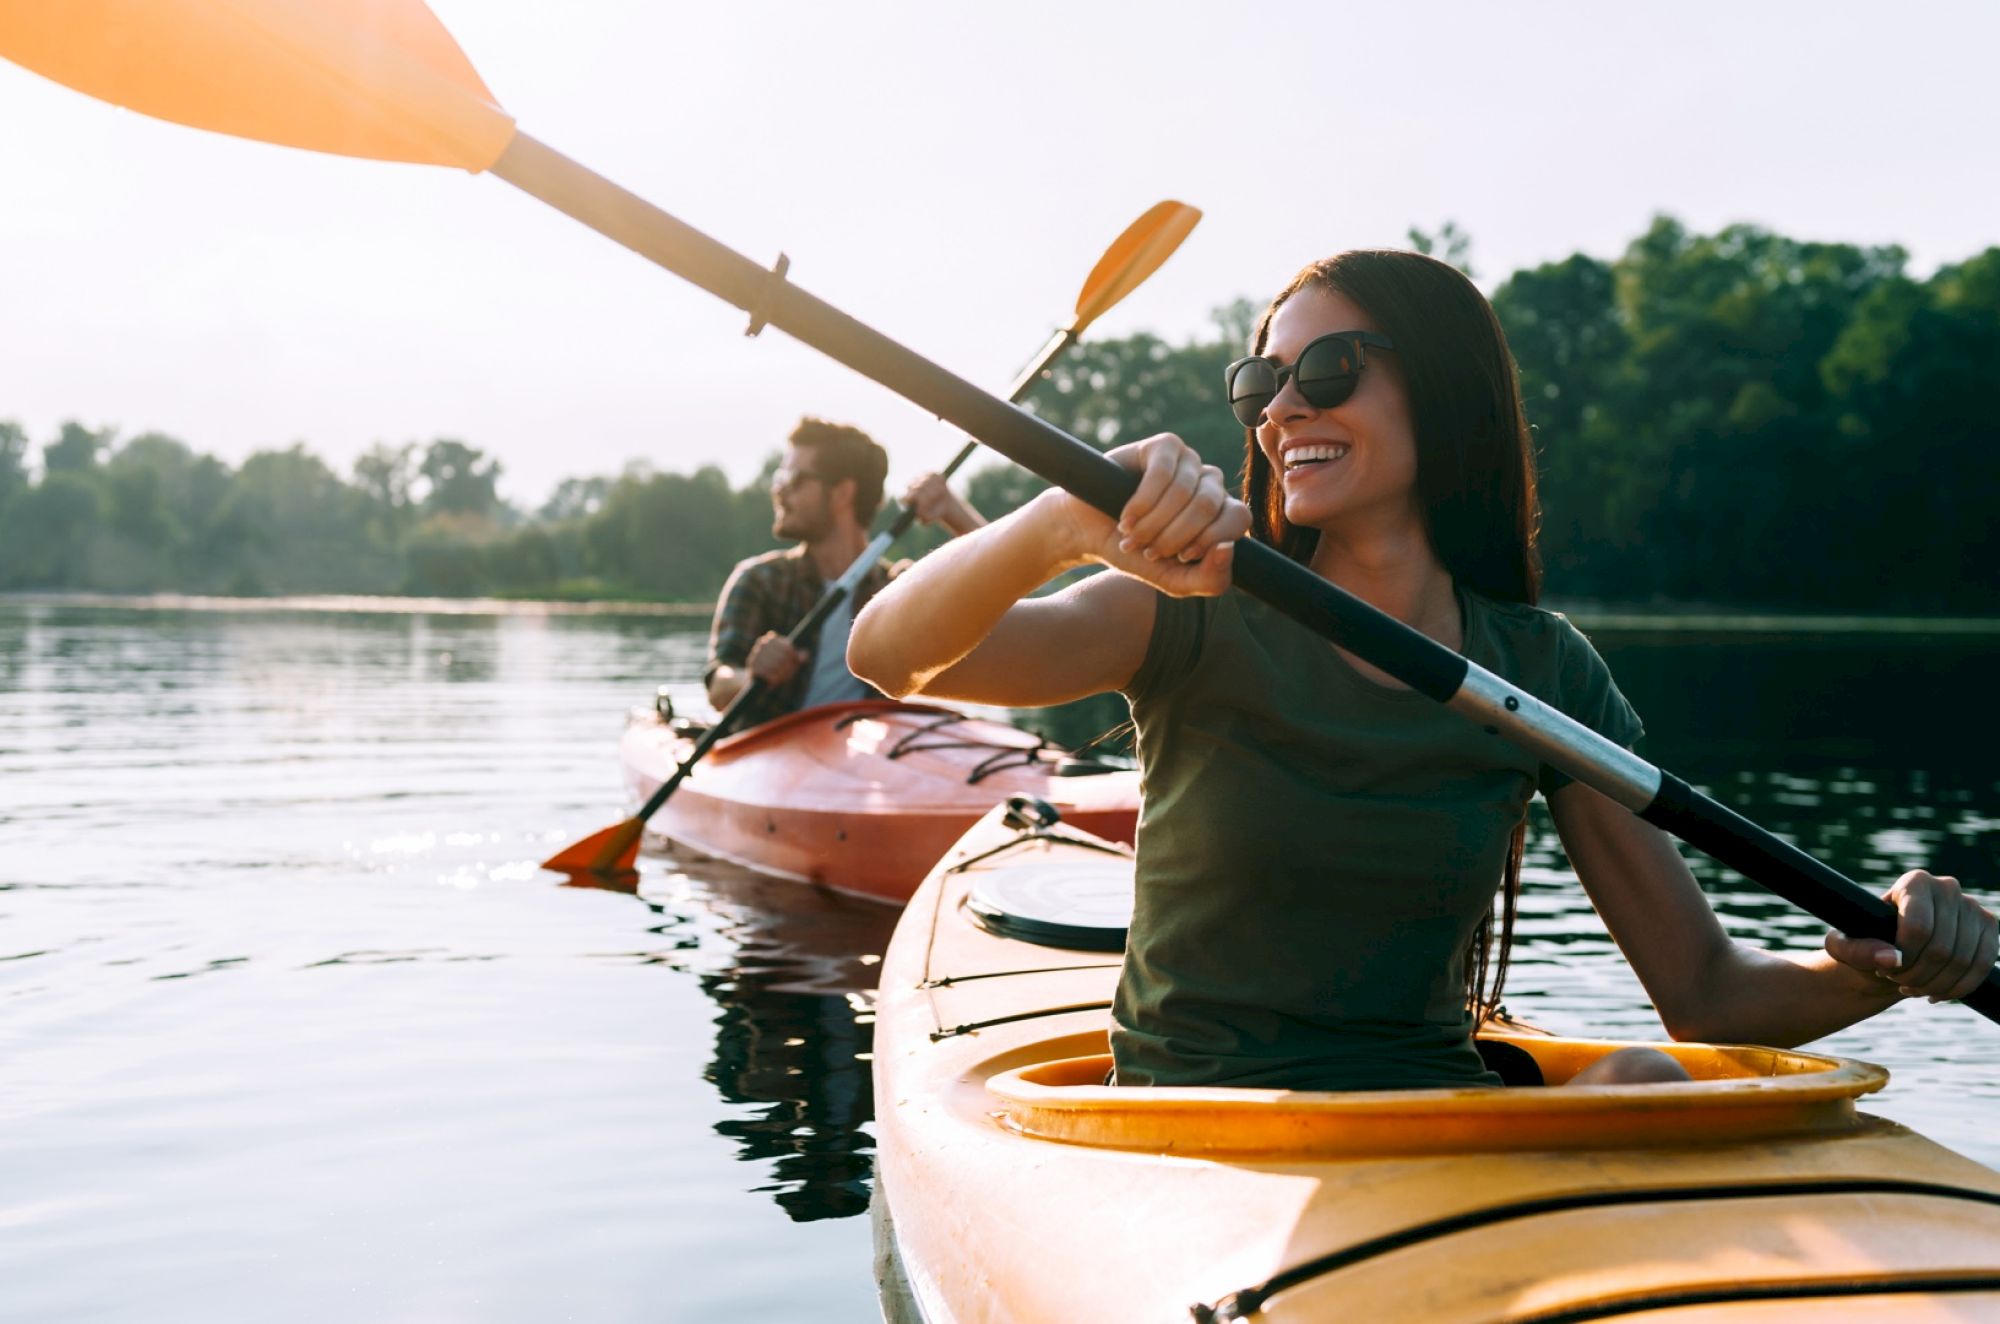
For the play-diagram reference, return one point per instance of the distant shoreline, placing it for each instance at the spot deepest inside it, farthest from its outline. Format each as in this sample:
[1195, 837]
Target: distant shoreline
[1602, 619]
[358, 604]
[1709, 620]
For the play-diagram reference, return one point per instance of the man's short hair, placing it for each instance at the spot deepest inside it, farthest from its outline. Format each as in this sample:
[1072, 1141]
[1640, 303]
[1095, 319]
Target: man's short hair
[840, 452]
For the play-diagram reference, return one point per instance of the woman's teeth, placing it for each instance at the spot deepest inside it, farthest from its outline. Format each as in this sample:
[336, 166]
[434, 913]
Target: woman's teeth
[1299, 455]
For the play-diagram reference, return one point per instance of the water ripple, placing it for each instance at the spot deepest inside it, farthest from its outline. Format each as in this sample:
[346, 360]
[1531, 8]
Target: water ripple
[432, 1079]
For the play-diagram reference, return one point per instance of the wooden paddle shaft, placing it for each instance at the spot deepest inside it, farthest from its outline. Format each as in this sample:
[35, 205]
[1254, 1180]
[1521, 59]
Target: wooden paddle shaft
[1379, 639]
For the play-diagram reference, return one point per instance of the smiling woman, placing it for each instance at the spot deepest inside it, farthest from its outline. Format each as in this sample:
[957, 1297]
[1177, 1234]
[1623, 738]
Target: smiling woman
[1307, 807]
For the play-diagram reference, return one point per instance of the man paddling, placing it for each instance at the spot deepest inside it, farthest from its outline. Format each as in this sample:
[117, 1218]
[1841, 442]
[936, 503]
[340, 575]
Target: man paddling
[824, 496]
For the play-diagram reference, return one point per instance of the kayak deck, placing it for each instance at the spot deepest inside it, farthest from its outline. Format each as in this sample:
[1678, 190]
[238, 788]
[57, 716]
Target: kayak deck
[1018, 1186]
[860, 797]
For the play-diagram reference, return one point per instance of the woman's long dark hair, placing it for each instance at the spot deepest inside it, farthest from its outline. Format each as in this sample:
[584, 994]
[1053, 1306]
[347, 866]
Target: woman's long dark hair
[1475, 473]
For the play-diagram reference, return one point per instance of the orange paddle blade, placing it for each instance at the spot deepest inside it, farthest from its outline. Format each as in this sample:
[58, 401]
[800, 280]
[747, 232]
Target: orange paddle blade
[380, 79]
[1133, 256]
[614, 850]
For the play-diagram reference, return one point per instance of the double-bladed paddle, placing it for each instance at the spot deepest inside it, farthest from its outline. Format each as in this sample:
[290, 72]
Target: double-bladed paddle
[383, 79]
[1133, 256]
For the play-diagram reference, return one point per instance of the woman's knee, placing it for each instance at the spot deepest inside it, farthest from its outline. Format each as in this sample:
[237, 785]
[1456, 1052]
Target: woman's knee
[1632, 1066]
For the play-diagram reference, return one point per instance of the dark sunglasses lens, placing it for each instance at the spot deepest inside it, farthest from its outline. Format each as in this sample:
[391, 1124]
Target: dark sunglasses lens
[1327, 371]
[1253, 384]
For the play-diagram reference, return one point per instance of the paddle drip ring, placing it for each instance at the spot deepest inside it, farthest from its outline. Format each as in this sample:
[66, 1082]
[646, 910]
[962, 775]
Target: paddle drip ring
[769, 292]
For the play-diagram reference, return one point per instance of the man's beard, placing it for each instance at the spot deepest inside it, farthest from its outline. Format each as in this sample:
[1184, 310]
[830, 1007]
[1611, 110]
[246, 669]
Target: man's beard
[799, 526]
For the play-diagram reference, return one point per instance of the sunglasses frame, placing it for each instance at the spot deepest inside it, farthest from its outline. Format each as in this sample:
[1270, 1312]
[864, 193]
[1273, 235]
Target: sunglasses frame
[787, 481]
[1360, 341]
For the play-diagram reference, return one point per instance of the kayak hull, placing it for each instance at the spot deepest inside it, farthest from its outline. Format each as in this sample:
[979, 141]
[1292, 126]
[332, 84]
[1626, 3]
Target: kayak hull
[859, 797]
[1016, 1186]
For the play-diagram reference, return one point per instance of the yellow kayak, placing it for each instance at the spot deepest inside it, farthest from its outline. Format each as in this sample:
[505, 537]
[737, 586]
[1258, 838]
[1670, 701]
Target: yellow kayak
[1013, 1184]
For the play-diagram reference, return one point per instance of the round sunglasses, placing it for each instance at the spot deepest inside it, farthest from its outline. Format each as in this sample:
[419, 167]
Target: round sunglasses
[1326, 372]
[787, 481]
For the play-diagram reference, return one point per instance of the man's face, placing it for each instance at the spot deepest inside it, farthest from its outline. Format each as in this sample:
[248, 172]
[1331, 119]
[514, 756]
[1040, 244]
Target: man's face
[799, 501]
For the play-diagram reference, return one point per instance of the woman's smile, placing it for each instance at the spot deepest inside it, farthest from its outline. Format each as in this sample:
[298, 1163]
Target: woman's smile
[1309, 456]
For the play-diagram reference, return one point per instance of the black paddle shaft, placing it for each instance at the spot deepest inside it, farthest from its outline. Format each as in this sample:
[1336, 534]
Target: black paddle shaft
[1261, 571]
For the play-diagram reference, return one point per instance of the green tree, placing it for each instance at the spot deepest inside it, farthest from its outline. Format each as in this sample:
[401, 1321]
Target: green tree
[1109, 392]
[1569, 338]
[385, 475]
[669, 536]
[13, 461]
[462, 479]
[529, 560]
[576, 498]
[158, 494]
[301, 529]
[1447, 243]
[1754, 481]
[76, 449]
[46, 539]
[447, 556]
[1911, 377]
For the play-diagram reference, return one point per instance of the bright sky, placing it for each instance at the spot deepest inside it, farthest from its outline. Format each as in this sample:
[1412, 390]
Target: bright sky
[946, 172]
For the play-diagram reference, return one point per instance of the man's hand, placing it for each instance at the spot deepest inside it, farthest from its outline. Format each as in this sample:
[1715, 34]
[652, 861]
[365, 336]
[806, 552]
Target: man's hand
[935, 503]
[774, 660]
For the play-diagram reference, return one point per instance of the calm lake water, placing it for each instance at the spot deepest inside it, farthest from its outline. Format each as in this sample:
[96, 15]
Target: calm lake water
[291, 1027]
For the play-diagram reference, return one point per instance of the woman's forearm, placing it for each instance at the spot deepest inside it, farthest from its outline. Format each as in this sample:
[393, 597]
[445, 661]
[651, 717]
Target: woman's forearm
[1783, 998]
[1704, 985]
[939, 610]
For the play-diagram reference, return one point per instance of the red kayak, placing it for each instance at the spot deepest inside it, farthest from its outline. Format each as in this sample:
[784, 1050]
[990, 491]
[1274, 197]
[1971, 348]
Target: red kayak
[861, 797]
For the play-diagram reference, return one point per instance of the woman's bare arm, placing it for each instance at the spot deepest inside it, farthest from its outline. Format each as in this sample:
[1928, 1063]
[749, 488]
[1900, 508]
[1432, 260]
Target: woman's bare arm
[959, 624]
[1707, 986]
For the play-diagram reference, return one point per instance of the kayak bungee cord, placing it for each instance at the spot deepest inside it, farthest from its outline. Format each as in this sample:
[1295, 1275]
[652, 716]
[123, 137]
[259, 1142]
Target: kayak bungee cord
[937, 734]
[384, 80]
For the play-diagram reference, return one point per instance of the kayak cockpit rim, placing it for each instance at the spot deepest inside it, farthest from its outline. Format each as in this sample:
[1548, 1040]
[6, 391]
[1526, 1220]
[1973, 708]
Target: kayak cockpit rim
[1054, 1090]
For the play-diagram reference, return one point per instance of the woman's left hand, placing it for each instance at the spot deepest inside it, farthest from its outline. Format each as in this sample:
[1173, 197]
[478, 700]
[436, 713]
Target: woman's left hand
[1945, 940]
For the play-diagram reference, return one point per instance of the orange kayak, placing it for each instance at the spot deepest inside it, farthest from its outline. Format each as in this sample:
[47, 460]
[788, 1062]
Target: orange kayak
[1014, 1184]
[861, 797]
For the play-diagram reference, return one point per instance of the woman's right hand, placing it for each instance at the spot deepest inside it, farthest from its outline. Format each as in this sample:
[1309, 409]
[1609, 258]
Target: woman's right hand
[1177, 531]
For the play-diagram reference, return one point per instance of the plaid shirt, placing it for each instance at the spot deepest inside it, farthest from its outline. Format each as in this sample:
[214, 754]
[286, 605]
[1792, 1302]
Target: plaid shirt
[773, 592]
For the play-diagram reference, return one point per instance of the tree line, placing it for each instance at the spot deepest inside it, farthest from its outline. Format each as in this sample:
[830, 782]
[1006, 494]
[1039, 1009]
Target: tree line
[1732, 419]
[149, 514]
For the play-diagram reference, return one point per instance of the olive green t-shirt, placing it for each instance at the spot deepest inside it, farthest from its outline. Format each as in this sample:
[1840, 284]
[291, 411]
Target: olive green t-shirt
[1316, 850]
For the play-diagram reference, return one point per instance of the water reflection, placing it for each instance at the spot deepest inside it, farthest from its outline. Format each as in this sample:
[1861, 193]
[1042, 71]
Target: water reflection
[287, 802]
[798, 1063]
[1811, 705]
[791, 970]
[1869, 752]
